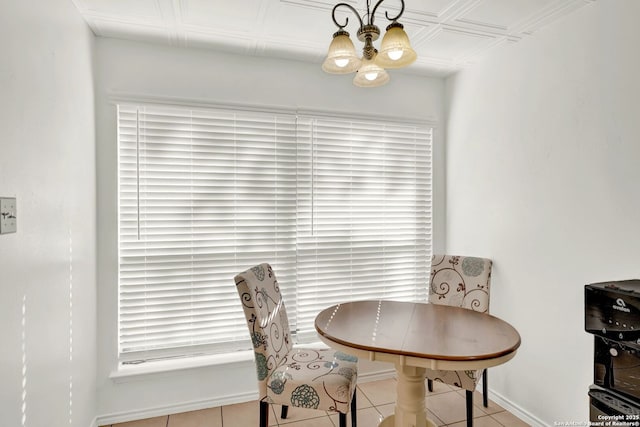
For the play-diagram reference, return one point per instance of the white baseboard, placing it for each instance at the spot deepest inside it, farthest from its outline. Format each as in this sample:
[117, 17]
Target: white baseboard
[376, 375]
[94, 423]
[175, 409]
[122, 417]
[516, 410]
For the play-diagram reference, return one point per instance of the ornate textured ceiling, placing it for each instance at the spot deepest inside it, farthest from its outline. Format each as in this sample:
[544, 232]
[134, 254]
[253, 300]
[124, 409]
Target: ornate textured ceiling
[446, 34]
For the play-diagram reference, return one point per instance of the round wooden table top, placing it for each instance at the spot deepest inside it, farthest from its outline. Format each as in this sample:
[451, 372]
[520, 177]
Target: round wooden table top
[428, 331]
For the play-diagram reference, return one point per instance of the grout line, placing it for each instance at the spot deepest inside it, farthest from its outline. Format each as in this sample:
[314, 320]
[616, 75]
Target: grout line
[499, 412]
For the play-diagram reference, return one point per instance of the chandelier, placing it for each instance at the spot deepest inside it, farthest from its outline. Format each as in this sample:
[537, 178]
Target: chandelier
[395, 50]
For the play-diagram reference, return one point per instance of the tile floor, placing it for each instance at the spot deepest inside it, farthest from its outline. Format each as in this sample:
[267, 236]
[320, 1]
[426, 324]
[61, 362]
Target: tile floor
[446, 407]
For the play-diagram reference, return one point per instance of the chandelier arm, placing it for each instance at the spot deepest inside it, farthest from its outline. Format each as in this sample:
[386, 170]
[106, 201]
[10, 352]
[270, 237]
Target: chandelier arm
[387, 12]
[333, 15]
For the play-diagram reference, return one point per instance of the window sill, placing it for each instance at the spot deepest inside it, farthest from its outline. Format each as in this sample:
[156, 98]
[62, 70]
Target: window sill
[126, 373]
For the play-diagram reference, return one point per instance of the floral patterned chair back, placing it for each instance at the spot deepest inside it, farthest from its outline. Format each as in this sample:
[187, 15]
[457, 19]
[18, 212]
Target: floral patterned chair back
[267, 319]
[314, 378]
[460, 281]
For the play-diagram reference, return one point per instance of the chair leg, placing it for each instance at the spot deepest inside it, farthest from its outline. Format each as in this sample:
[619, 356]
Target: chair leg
[430, 385]
[354, 418]
[284, 412]
[469, 408]
[343, 419]
[485, 394]
[264, 414]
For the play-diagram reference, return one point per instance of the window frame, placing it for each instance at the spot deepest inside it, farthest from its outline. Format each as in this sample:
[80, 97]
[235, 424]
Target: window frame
[298, 112]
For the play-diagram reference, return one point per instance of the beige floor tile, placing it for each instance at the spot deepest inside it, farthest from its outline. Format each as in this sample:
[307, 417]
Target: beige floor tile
[485, 421]
[246, 414]
[274, 416]
[322, 421]
[477, 402]
[203, 418]
[295, 415]
[376, 400]
[433, 417]
[388, 409]
[493, 406]
[380, 392]
[362, 401]
[147, 422]
[439, 387]
[507, 419]
[451, 407]
[366, 417]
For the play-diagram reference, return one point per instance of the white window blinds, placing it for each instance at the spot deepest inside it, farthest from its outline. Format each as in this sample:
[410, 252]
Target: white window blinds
[364, 214]
[203, 195]
[341, 208]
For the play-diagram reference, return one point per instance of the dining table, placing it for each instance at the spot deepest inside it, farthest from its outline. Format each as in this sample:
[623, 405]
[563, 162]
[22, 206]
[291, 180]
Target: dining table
[416, 336]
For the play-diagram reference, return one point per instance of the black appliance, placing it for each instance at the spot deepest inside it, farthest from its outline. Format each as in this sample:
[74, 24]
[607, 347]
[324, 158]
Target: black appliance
[616, 367]
[604, 403]
[612, 314]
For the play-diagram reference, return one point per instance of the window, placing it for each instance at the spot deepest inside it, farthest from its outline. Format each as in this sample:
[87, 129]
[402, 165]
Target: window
[364, 214]
[340, 207]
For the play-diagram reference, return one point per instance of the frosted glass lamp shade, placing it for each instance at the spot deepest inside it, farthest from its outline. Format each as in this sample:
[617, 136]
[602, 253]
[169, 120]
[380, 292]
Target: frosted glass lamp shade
[395, 50]
[341, 58]
[370, 75]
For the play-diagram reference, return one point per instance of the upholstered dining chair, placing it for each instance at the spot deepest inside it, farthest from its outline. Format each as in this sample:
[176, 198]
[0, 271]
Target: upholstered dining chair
[461, 281]
[322, 379]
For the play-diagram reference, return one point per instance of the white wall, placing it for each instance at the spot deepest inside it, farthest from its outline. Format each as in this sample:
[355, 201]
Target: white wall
[199, 75]
[47, 268]
[542, 176]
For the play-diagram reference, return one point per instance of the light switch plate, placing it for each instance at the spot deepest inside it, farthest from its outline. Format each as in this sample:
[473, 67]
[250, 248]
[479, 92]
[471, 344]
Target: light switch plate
[8, 215]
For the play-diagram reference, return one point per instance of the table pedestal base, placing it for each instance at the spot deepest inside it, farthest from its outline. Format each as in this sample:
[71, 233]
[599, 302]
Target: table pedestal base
[390, 422]
[410, 405]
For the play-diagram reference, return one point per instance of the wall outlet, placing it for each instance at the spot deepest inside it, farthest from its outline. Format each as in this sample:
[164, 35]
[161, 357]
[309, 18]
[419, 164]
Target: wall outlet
[8, 215]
